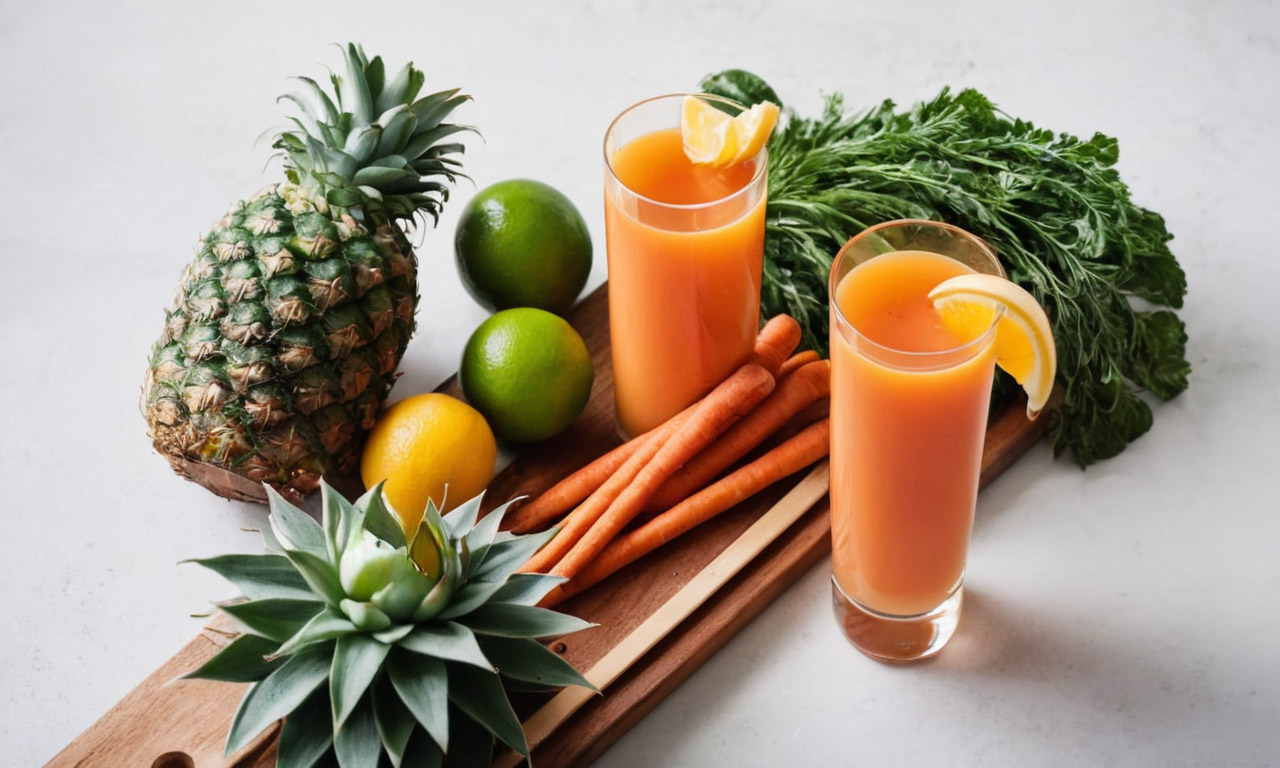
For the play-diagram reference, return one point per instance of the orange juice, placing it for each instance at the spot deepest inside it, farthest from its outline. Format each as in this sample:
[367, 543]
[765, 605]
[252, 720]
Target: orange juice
[685, 246]
[908, 416]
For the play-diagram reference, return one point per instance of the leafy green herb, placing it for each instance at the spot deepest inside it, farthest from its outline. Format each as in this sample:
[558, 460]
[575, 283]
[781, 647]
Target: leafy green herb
[1053, 206]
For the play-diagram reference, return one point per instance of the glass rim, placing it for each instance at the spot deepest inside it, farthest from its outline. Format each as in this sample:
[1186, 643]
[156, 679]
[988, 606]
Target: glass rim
[844, 322]
[760, 170]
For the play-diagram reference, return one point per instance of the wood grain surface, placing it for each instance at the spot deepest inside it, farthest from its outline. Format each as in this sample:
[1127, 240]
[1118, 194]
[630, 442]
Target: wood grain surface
[163, 724]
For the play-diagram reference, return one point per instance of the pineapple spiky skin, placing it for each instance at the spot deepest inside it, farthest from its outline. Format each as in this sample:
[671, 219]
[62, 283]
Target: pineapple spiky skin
[285, 332]
[377, 648]
[281, 341]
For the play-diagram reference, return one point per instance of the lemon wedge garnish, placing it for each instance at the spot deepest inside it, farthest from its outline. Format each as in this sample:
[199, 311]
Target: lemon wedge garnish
[1024, 341]
[713, 138]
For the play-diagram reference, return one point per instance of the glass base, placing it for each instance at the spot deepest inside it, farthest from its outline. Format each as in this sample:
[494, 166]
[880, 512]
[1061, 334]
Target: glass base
[896, 638]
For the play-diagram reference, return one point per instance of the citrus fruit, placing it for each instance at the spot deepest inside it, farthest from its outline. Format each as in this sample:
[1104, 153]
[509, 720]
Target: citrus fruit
[528, 372]
[1024, 341]
[712, 137]
[424, 445]
[521, 243]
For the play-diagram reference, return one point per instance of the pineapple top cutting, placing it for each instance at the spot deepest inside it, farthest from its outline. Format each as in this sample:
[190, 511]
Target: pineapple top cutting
[285, 331]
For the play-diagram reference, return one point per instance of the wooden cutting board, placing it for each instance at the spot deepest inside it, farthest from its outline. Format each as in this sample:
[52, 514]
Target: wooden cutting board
[162, 724]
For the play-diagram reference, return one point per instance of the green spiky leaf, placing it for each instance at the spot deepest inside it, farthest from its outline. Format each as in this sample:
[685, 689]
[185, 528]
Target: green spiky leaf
[423, 141]
[511, 620]
[432, 108]
[527, 588]
[259, 576]
[423, 685]
[408, 689]
[531, 661]
[462, 518]
[378, 519]
[338, 519]
[307, 733]
[398, 126]
[354, 90]
[274, 618]
[309, 122]
[356, 661]
[270, 543]
[469, 598]
[318, 572]
[449, 640]
[501, 559]
[379, 176]
[243, 660]
[317, 93]
[480, 694]
[400, 90]
[394, 720]
[344, 197]
[481, 535]
[293, 527]
[361, 146]
[394, 634]
[327, 625]
[375, 75]
[365, 616]
[356, 743]
[280, 693]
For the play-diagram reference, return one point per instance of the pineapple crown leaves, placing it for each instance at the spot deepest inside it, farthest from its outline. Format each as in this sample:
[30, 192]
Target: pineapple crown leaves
[374, 145]
[380, 647]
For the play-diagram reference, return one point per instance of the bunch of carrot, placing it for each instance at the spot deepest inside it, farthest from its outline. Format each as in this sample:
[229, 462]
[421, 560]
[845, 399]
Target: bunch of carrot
[669, 473]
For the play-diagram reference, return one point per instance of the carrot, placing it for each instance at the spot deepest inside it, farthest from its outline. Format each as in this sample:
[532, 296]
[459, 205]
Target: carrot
[729, 401]
[795, 361]
[778, 338]
[810, 383]
[818, 409]
[569, 492]
[588, 512]
[792, 456]
[572, 490]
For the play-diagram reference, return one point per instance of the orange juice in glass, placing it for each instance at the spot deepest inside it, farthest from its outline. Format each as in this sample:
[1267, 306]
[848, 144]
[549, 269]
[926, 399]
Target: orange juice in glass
[909, 407]
[685, 246]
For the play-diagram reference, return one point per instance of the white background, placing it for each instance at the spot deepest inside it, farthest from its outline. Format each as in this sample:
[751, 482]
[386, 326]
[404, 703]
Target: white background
[1126, 615]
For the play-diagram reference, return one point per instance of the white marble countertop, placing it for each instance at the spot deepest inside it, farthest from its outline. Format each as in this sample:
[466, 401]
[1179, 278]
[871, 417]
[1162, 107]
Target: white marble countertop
[1126, 615]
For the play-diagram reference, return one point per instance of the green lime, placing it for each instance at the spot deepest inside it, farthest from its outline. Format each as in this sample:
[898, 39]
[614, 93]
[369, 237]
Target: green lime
[528, 372]
[520, 243]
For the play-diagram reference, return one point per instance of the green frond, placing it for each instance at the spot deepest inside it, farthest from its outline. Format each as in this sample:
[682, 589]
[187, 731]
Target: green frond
[448, 640]
[481, 696]
[370, 645]
[394, 721]
[243, 660]
[340, 140]
[275, 618]
[259, 576]
[512, 620]
[357, 660]
[279, 694]
[423, 686]
[356, 743]
[307, 734]
[530, 661]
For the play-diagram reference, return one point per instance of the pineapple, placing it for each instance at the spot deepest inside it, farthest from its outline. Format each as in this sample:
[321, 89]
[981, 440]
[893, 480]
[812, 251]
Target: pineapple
[379, 649]
[284, 334]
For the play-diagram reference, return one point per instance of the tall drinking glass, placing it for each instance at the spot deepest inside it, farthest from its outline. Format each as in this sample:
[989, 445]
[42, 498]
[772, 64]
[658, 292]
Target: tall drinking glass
[685, 246]
[908, 416]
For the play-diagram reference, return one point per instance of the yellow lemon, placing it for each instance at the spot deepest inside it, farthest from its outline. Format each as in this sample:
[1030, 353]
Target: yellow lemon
[424, 446]
[712, 137]
[1024, 341]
